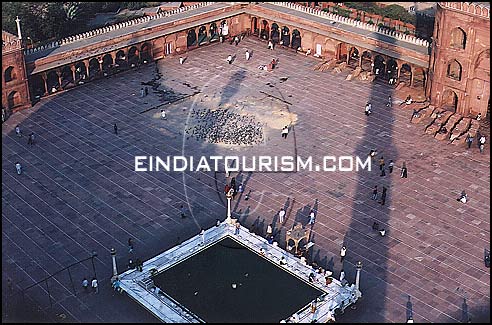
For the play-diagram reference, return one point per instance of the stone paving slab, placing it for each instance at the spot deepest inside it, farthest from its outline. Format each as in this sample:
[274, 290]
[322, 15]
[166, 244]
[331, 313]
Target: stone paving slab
[79, 193]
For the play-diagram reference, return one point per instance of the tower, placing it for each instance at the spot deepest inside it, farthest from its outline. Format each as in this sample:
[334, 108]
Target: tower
[459, 72]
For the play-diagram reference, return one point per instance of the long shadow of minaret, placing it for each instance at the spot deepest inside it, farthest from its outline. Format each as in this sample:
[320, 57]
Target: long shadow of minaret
[366, 245]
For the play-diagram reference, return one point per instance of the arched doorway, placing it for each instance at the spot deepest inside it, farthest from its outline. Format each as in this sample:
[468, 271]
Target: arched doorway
[419, 78]
[80, 72]
[214, 33]
[52, 82]
[67, 77]
[132, 56]
[191, 39]
[254, 26]
[264, 32]
[94, 68]
[9, 74]
[296, 39]
[391, 69]
[449, 100]
[341, 52]
[379, 66]
[285, 36]
[353, 57]
[107, 63]
[145, 53]
[366, 61]
[13, 100]
[202, 35]
[224, 28]
[405, 74]
[37, 86]
[275, 33]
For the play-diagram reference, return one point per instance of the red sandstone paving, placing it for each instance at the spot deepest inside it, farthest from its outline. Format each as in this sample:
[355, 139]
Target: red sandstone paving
[79, 192]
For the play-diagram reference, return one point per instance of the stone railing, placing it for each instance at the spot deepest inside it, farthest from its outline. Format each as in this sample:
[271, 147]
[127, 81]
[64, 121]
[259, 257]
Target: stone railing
[353, 22]
[468, 7]
[103, 30]
[11, 45]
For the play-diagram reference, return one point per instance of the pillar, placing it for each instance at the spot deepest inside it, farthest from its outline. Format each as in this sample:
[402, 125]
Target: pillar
[348, 55]
[358, 267]
[58, 73]
[411, 76]
[399, 69]
[72, 68]
[115, 270]
[229, 198]
[45, 79]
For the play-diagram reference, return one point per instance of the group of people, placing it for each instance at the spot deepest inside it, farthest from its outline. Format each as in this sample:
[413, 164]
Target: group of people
[481, 141]
[94, 284]
[233, 188]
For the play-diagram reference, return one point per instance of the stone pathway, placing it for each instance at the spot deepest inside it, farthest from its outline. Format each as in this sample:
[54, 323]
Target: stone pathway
[79, 191]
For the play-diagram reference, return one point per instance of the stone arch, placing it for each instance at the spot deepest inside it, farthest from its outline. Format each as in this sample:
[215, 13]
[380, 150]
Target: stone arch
[458, 38]
[94, 68]
[341, 51]
[9, 74]
[132, 56]
[202, 35]
[254, 26]
[483, 61]
[264, 29]
[449, 100]
[191, 38]
[419, 77]
[66, 77]
[80, 71]
[214, 32]
[379, 65]
[353, 56]
[454, 70]
[13, 99]
[275, 33]
[52, 81]
[285, 36]
[145, 52]
[405, 73]
[296, 39]
[391, 68]
[107, 62]
[366, 61]
[38, 87]
[120, 60]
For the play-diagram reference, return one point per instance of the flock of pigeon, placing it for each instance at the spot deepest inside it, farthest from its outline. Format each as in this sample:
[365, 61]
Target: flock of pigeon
[223, 126]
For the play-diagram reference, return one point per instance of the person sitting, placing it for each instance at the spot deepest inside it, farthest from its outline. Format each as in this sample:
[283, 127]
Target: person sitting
[163, 115]
[408, 100]
[443, 130]
[382, 232]
[311, 277]
[308, 52]
[463, 197]
[283, 261]
[373, 153]
[415, 113]
[375, 226]
[479, 116]
[368, 109]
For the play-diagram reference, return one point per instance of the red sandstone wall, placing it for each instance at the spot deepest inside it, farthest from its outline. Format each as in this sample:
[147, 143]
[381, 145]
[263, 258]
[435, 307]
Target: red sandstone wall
[19, 84]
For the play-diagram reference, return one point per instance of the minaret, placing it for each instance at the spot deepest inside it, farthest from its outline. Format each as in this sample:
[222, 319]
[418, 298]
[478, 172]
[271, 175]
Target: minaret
[19, 34]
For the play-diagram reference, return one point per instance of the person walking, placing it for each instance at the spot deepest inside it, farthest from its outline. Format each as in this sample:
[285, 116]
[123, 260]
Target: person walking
[469, 140]
[342, 276]
[248, 55]
[236, 40]
[390, 102]
[281, 215]
[181, 60]
[368, 109]
[343, 251]
[375, 193]
[130, 245]
[115, 128]
[94, 285]
[312, 216]
[285, 132]
[85, 284]
[229, 59]
[30, 140]
[269, 230]
[139, 265]
[146, 91]
[238, 227]
[383, 196]
[240, 188]
[18, 167]
[381, 163]
[481, 143]
[18, 131]
[142, 92]
[404, 171]
[390, 166]
[270, 45]
[183, 212]
[202, 236]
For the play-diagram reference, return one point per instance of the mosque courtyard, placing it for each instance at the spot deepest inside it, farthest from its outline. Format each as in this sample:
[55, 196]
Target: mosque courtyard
[79, 192]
